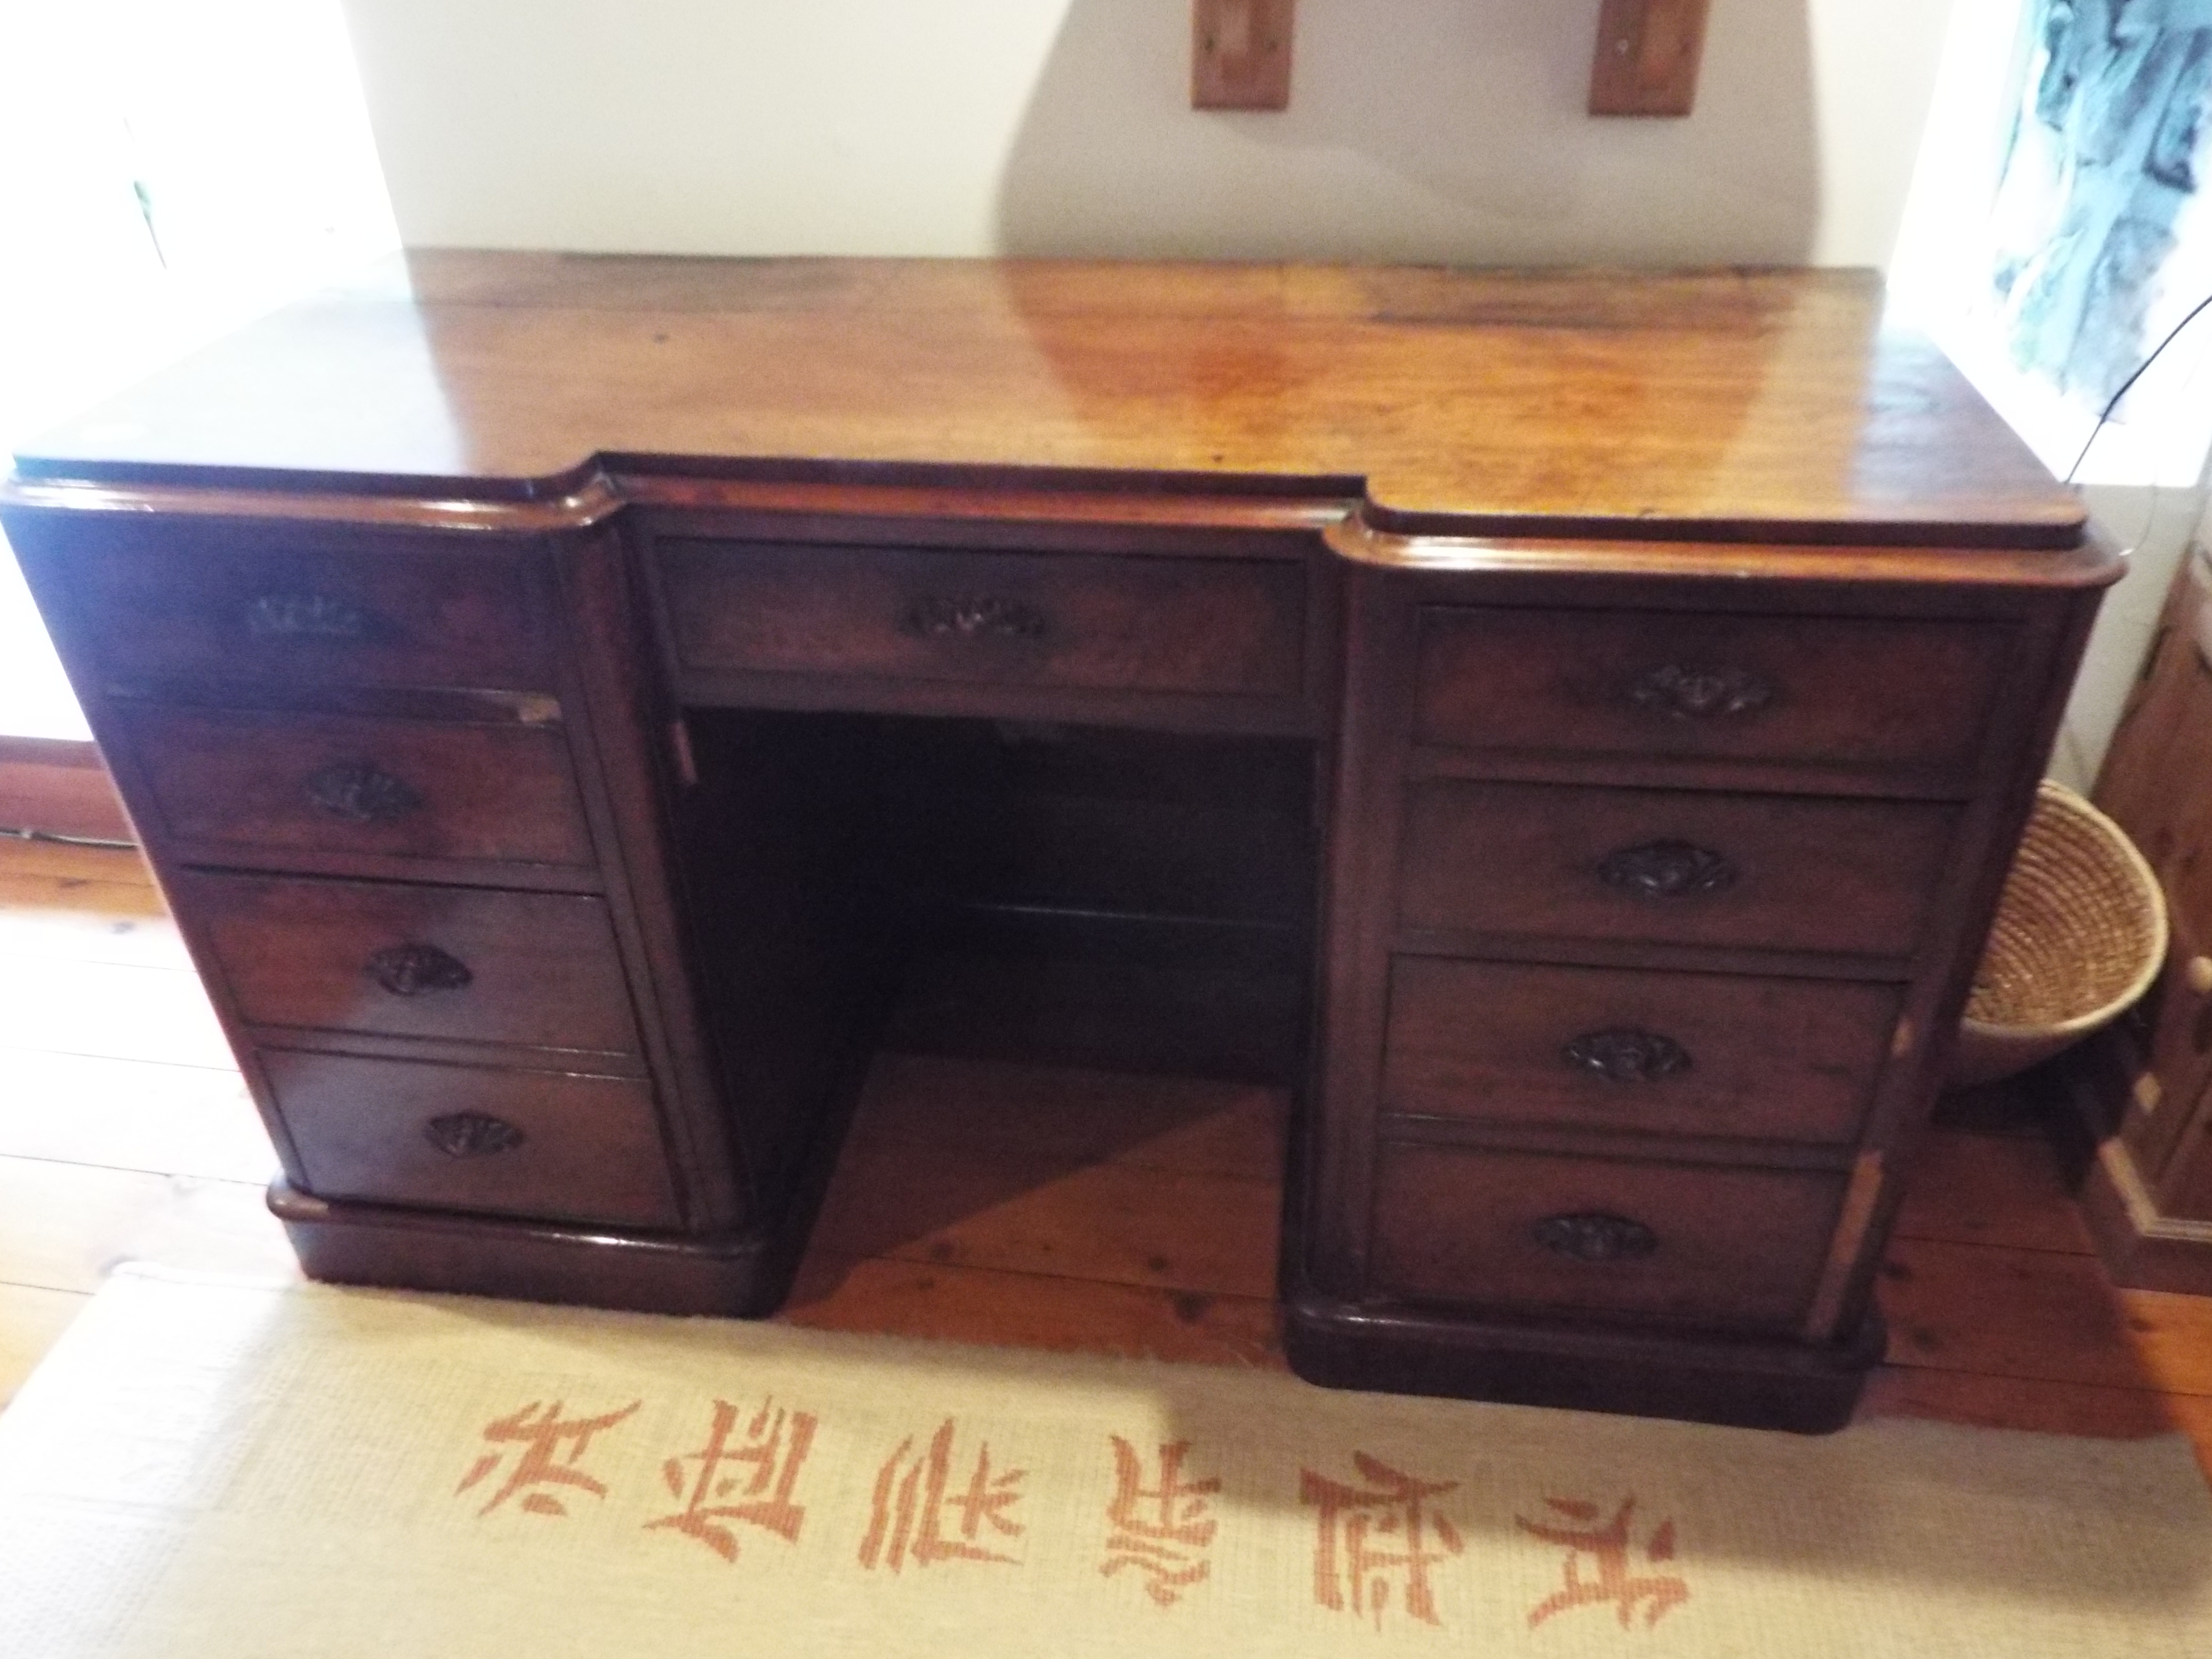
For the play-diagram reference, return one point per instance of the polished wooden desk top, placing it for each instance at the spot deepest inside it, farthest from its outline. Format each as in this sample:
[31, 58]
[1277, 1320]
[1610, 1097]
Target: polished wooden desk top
[1766, 404]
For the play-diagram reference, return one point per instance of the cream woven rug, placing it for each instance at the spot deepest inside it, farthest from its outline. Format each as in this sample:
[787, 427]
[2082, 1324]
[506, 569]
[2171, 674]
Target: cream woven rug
[211, 1471]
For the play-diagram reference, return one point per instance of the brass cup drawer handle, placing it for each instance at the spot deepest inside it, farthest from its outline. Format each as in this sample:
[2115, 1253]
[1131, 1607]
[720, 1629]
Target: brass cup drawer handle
[1595, 1237]
[414, 971]
[309, 616]
[971, 616]
[1667, 869]
[472, 1135]
[1701, 693]
[1623, 1054]
[361, 792]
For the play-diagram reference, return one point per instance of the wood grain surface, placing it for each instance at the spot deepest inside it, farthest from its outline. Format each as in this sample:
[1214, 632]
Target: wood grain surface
[1468, 401]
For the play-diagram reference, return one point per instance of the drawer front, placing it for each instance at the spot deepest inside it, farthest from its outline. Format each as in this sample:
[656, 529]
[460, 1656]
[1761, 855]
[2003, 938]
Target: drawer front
[2178, 1017]
[1874, 694]
[557, 1145]
[1770, 872]
[1655, 1054]
[181, 606]
[394, 960]
[1532, 1233]
[413, 789]
[1218, 627]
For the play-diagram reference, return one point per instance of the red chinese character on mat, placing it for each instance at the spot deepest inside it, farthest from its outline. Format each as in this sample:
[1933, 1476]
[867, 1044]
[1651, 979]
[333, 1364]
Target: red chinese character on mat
[541, 1430]
[1162, 1531]
[909, 1508]
[1614, 1585]
[775, 1447]
[1349, 1572]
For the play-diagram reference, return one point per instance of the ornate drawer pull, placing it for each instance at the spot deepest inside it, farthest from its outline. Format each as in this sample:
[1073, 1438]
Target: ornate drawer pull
[1593, 1235]
[471, 1134]
[1625, 1055]
[308, 616]
[410, 970]
[1667, 869]
[979, 617]
[1697, 694]
[362, 793]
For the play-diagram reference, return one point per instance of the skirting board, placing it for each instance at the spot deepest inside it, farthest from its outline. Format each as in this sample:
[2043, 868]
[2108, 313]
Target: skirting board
[60, 788]
[2140, 1247]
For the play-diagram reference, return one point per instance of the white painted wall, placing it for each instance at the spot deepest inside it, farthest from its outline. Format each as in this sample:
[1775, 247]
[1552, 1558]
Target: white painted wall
[1419, 130]
[2157, 525]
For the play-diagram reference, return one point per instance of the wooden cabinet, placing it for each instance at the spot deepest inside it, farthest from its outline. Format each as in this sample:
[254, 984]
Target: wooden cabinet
[2144, 1089]
[1592, 819]
[1659, 947]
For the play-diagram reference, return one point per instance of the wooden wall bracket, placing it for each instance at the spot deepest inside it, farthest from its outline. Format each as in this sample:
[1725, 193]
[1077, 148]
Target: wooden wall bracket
[1240, 54]
[1647, 53]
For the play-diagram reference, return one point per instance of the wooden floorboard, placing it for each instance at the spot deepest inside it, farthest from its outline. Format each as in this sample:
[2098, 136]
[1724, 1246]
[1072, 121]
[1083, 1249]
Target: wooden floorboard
[1015, 1310]
[983, 1202]
[1973, 1188]
[132, 1114]
[2040, 1313]
[31, 1321]
[115, 1011]
[1070, 1116]
[66, 1226]
[1020, 1212]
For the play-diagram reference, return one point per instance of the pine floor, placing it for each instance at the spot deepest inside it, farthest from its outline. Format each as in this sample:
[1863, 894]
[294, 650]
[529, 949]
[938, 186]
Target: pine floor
[978, 1202]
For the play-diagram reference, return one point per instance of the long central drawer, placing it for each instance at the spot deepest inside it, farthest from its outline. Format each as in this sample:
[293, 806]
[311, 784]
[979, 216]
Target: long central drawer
[1194, 626]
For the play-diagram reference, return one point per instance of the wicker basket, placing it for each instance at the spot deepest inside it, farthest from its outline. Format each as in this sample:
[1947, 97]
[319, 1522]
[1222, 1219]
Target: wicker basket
[2080, 934]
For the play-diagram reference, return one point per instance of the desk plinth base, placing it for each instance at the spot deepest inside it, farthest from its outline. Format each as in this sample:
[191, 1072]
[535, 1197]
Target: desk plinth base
[1751, 1384]
[1743, 1382]
[733, 1274]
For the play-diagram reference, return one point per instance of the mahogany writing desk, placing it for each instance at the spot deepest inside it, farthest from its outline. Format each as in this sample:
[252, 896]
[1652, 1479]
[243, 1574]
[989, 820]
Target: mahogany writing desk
[1569, 728]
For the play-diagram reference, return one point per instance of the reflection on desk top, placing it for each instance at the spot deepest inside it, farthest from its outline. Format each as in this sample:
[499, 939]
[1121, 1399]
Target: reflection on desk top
[1775, 404]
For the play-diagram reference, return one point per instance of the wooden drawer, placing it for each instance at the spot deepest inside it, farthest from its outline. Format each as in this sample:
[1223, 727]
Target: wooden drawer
[1676, 1243]
[1217, 627]
[1771, 872]
[1669, 1053]
[174, 605]
[240, 780]
[396, 960]
[1878, 694]
[556, 1145]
